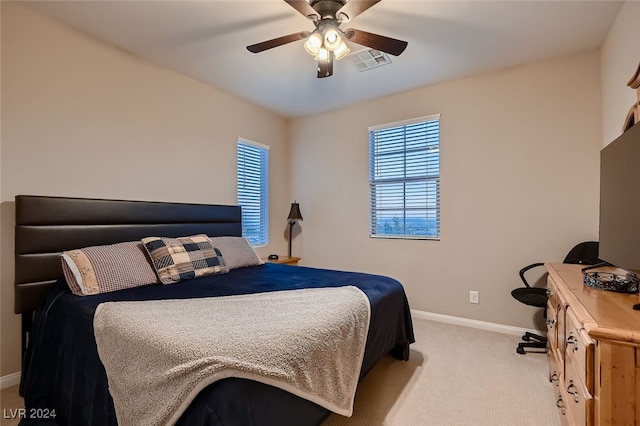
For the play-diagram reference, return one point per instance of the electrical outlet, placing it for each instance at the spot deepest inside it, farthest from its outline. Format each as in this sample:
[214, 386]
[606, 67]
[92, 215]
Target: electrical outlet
[474, 297]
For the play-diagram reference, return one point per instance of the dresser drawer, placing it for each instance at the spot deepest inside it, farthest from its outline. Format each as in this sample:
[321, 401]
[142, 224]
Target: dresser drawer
[552, 291]
[579, 350]
[552, 327]
[555, 367]
[579, 402]
[562, 399]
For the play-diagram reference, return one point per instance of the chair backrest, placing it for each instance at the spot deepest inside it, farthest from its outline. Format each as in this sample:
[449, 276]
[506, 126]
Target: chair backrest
[585, 253]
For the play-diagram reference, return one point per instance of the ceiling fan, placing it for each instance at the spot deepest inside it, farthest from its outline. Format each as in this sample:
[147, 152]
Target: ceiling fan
[327, 41]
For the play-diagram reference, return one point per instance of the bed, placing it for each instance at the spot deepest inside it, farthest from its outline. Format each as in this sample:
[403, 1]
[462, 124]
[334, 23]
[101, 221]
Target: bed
[62, 371]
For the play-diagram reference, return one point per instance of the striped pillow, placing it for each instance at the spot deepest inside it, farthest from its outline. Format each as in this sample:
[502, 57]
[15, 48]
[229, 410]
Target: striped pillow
[183, 258]
[103, 269]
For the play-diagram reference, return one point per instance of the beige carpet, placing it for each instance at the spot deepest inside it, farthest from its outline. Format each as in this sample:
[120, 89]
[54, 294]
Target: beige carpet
[456, 376]
[10, 402]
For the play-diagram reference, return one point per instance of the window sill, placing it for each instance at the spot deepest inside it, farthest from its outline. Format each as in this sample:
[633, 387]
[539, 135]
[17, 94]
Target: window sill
[404, 237]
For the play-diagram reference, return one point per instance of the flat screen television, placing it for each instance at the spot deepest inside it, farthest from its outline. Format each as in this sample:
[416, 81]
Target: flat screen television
[620, 201]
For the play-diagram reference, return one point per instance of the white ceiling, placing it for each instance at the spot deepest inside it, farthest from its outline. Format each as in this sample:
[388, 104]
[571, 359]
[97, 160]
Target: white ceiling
[206, 40]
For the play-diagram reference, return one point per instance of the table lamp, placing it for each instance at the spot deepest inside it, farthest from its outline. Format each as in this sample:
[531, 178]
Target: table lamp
[294, 215]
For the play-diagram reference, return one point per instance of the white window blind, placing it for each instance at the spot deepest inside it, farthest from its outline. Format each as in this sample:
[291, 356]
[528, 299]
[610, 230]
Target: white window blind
[404, 179]
[253, 190]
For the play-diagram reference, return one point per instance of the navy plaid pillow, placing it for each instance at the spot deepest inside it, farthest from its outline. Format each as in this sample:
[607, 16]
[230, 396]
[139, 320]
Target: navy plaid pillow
[184, 258]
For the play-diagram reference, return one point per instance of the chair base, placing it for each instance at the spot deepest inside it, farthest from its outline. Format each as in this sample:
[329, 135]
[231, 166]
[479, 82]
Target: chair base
[532, 341]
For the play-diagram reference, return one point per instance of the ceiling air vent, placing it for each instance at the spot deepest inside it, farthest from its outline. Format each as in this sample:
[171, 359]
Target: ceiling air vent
[367, 59]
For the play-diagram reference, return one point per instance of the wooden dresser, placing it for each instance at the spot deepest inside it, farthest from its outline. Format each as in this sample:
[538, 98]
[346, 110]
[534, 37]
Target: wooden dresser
[594, 350]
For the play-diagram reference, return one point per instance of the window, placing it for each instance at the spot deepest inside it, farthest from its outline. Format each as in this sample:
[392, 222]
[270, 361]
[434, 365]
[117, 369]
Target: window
[404, 179]
[253, 191]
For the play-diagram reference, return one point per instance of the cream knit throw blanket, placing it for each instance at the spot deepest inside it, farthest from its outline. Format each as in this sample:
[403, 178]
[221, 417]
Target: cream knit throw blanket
[159, 355]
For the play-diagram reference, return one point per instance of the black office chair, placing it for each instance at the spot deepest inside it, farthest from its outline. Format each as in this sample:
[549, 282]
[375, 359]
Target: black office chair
[585, 253]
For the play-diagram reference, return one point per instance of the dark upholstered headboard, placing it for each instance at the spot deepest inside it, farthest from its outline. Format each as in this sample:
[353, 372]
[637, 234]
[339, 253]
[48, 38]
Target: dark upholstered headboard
[47, 226]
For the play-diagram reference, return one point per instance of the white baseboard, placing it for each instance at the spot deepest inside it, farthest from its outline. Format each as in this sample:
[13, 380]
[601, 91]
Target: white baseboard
[466, 322]
[9, 380]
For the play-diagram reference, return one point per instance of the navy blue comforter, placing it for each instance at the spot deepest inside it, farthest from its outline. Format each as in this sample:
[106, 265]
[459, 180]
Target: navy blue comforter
[63, 371]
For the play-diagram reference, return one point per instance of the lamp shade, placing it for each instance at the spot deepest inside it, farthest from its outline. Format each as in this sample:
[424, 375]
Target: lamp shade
[294, 213]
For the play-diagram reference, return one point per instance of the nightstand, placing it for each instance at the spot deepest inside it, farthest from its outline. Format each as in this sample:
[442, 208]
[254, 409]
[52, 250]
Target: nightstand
[287, 260]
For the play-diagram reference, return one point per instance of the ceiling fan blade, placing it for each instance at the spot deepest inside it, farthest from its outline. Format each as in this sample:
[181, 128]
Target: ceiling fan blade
[325, 68]
[355, 7]
[304, 8]
[386, 44]
[270, 44]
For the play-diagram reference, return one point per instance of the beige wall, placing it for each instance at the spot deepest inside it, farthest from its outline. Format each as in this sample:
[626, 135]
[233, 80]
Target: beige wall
[519, 184]
[81, 118]
[620, 56]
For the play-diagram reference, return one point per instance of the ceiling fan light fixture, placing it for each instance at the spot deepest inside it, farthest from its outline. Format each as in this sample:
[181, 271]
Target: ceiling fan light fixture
[341, 51]
[323, 55]
[313, 44]
[332, 39]
[328, 42]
